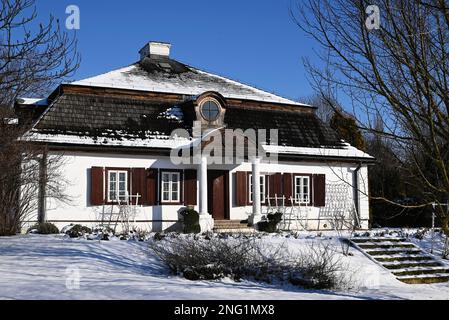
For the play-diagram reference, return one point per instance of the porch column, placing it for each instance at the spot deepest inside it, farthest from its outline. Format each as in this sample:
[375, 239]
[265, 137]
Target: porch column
[257, 210]
[206, 221]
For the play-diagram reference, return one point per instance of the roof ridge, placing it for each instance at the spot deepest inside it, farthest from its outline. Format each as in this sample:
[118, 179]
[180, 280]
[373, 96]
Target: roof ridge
[244, 84]
[236, 89]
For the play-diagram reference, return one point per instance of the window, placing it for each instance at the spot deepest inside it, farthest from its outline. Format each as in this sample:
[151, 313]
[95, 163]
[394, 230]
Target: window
[262, 188]
[170, 187]
[117, 185]
[302, 189]
[210, 110]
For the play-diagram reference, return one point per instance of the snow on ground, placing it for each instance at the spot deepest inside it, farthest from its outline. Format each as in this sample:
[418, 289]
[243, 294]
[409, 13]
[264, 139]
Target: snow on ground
[40, 266]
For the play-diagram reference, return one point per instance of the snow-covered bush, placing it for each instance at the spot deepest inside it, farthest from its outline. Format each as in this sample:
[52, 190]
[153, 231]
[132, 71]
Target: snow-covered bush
[247, 258]
[44, 228]
[78, 231]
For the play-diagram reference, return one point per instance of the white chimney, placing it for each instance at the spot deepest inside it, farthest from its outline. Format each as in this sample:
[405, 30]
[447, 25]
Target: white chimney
[157, 48]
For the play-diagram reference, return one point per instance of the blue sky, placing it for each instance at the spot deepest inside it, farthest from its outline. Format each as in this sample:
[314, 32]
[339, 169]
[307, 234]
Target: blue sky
[252, 41]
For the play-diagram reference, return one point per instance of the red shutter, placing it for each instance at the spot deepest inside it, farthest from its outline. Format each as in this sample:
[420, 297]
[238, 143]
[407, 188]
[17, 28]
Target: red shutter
[288, 187]
[275, 182]
[138, 185]
[96, 186]
[151, 187]
[319, 190]
[241, 189]
[190, 187]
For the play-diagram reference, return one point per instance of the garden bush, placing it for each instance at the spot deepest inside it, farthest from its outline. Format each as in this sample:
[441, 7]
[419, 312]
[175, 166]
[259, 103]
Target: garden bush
[270, 225]
[78, 231]
[44, 228]
[191, 221]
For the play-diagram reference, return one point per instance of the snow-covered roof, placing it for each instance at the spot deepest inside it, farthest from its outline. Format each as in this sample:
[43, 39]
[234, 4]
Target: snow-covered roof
[33, 101]
[166, 142]
[170, 76]
[345, 151]
[153, 141]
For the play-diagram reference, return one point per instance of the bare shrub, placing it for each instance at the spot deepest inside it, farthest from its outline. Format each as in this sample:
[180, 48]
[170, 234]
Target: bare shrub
[317, 267]
[205, 259]
[320, 267]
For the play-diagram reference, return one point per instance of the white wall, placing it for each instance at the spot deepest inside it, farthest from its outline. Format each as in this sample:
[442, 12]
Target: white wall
[335, 173]
[77, 172]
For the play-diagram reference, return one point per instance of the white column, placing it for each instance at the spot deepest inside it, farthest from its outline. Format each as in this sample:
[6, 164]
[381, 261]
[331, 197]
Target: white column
[257, 210]
[206, 221]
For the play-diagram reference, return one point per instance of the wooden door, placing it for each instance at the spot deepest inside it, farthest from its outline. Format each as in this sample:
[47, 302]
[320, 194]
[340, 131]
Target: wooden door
[218, 194]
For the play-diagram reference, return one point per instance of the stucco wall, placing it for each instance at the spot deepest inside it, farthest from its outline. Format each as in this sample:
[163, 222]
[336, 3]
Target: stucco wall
[77, 166]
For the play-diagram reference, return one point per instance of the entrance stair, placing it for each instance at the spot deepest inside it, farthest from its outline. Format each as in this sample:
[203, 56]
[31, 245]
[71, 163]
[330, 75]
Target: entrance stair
[232, 226]
[405, 260]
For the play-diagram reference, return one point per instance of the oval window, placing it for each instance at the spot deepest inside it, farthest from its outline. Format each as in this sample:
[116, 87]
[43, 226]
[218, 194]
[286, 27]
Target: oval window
[210, 110]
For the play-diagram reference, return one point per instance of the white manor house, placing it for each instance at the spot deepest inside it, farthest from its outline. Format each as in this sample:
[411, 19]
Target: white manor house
[114, 132]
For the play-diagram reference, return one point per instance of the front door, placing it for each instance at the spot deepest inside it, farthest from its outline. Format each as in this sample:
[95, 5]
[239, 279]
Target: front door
[218, 194]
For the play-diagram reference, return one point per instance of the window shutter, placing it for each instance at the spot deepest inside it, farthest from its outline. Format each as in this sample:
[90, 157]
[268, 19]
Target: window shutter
[190, 187]
[96, 186]
[138, 185]
[275, 182]
[241, 189]
[151, 187]
[288, 186]
[319, 190]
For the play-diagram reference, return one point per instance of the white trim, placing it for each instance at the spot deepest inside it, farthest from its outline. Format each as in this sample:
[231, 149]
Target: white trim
[117, 185]
[345, 151]
[263, 185]
[171, 183]
[301, 189]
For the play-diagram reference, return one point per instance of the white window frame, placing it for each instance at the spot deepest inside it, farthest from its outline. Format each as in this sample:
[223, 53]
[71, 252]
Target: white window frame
[250, 188]
[117, 185]
[299, 179]
[170, 186]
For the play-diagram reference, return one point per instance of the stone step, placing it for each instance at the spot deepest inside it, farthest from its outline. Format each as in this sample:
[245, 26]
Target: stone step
[425, 278]
[388, 251]
[409, 264]
[230, 224]
[402, 257]
[382, 245]
[234, 230]
[420, 271]
[376, 239]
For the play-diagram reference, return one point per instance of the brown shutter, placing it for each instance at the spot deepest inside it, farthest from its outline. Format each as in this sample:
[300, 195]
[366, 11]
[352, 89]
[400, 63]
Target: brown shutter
[96, 186]
[151, 187]
[288, 187]
[275, 182]
[241, 189]
[319, 190]
[138, 185]
[190, 188]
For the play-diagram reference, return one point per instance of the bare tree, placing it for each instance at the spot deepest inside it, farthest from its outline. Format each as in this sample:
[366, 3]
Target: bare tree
[399, 72]
[33, 58]
[28, 176]
[325, 104]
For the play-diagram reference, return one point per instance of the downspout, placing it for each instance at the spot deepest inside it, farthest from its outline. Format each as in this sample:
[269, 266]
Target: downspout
[356, 193]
